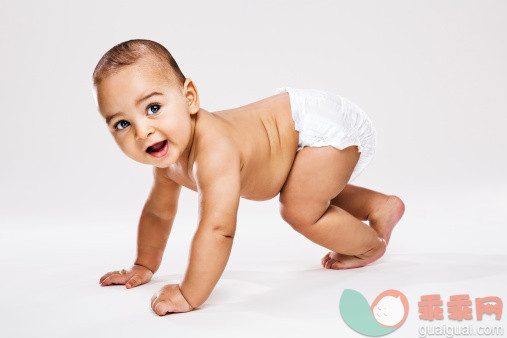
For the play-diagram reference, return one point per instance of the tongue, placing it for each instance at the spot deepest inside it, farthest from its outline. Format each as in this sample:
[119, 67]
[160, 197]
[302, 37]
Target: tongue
[157, 146]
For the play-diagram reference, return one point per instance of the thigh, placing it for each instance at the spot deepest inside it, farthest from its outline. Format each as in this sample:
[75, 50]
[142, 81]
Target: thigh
[318, 174]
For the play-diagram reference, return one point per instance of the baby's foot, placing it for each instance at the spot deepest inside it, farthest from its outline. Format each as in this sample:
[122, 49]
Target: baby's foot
[387, 216]
[383, 220]
[334, 260]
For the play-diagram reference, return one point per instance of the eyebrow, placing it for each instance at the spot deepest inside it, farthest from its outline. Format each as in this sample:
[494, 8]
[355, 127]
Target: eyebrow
[137, 102]
[141, 99]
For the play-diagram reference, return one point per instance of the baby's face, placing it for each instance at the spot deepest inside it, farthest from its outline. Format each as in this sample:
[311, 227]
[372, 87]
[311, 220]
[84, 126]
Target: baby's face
[142, 107]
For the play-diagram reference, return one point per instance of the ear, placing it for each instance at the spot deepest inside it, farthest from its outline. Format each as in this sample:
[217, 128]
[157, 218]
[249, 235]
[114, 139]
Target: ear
[191, 96]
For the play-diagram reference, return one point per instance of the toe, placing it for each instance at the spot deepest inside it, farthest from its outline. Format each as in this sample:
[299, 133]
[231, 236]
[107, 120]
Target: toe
[336, 265]
[325, 258]
[324, 261]
[329, 263]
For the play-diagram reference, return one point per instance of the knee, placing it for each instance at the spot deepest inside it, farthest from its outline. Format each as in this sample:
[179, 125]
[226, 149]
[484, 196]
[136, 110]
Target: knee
[297, 217]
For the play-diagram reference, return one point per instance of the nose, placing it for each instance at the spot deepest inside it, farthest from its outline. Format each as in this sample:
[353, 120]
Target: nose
[143, 131]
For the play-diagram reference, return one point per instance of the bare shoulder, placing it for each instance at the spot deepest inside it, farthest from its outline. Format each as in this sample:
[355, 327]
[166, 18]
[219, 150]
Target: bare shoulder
[216, 156]
[216, 170]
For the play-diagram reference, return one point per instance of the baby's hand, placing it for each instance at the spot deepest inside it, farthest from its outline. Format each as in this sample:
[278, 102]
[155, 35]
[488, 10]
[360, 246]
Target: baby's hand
[135, 276]
[169, 299]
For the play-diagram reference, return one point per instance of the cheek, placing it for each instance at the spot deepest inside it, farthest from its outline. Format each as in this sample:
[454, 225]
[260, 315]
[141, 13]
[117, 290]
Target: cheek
[124, 143]
[177, 130]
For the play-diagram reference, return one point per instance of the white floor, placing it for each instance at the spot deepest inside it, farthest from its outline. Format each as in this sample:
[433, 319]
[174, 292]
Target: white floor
[273, 286]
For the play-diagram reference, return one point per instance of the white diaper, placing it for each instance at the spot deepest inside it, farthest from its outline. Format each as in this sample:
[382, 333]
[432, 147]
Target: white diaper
[326, 119]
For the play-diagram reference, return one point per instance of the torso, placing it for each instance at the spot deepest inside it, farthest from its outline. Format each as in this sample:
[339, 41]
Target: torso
[266, 140]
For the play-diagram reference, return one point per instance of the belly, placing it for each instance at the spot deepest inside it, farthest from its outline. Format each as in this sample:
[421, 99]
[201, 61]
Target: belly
[265, 182]
[264, 185]
[270, 161]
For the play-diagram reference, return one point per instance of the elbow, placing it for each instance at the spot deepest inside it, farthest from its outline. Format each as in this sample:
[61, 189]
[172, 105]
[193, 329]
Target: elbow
[223, 231]
[217, 228]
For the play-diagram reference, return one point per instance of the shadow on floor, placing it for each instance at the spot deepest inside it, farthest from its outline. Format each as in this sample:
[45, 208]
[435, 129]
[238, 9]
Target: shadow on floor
[286, 293]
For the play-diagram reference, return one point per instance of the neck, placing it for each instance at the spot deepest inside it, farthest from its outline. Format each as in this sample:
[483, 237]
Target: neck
[188, 154]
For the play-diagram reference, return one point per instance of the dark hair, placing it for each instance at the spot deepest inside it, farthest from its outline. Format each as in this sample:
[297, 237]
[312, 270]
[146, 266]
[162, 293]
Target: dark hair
[128, 52]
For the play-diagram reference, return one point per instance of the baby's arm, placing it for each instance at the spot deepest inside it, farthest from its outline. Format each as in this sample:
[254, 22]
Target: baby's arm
[217, 173]
[156, 220]
[154, 228]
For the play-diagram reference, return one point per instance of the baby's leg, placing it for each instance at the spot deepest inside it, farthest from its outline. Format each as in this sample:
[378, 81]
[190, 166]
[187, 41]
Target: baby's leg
[319, 174]
[381, 211]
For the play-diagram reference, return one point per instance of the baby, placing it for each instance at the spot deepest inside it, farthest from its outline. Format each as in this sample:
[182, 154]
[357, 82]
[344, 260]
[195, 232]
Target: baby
[303, 144]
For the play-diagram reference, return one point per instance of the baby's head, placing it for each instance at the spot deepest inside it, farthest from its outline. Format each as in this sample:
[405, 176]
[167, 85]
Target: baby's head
[144, 98]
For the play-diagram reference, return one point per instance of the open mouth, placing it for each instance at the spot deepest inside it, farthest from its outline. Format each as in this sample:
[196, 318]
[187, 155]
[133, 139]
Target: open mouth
[158, 149]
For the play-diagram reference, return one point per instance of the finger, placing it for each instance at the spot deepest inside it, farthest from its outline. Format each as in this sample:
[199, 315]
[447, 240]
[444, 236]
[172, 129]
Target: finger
[163, 307]
[104, 277]
[114, 279]
[108, 274]
[106, 281]
[154, 301]
[134, 281]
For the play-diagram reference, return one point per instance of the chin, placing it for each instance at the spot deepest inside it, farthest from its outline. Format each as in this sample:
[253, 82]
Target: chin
[168, 160]
[146, 160]
[162, 164]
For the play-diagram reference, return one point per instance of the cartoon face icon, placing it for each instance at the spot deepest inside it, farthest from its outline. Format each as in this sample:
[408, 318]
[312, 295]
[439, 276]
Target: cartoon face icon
[390, 308]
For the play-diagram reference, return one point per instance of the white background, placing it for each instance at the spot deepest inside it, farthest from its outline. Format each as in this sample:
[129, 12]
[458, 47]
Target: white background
[431, 75]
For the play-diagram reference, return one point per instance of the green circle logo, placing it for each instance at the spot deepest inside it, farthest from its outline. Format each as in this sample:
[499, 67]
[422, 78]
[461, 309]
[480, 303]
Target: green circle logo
[385, 315]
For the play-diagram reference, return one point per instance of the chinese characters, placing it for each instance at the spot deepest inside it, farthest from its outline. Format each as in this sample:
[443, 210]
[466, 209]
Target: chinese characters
[459, 307]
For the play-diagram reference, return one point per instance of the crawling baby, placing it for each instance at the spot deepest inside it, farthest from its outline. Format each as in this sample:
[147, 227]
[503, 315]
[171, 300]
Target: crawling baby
[303, 144]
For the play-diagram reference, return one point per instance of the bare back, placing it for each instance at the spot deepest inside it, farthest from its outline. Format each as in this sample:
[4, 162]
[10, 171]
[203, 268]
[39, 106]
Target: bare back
[263, 134]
